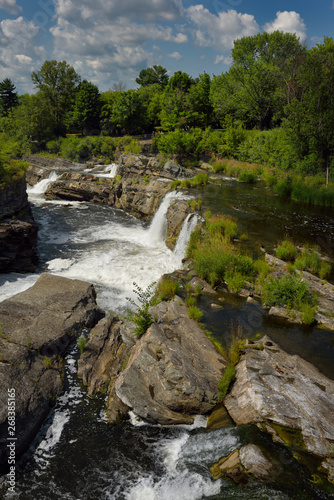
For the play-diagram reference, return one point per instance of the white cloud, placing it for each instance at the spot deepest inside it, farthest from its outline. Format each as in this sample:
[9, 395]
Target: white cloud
[288, 22]
[18, 50]
[144, 10]
[223, 59]
[220, 31]
[10, 6]
[175, 55]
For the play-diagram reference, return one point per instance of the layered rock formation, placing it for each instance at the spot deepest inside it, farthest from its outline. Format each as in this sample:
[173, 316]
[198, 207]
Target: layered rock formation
[286, 397]
[18, 231]
[171, 373]
[36, 328]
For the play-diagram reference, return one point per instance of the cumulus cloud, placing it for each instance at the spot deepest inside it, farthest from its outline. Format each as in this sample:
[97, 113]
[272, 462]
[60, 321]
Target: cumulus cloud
[223, 59]
[144, 10]
[220, 31]
[10, 6]
[18, 49]
[175, 55]
[288, 22]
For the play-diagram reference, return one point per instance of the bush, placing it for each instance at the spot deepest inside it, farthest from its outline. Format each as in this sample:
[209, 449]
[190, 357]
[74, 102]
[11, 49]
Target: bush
[195, 313]
[288, 291]
[286, 251]
[142, 317]
[246, 176]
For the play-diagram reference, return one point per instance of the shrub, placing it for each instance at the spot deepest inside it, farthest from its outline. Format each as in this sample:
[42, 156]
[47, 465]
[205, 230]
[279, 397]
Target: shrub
[82, 343]
[219, 166]
[325, 269]
[247, 176]
[288, 291]
[190, 301]
[221, 225]
[142, 317]
[234, 280]
[195, 313]
[308, 313]
[286, 251]
[225, 381]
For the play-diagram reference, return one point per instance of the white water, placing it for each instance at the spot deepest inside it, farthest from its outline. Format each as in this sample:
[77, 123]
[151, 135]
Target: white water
[42, 185]
[109, 171]
[101, 245]
[188, 226]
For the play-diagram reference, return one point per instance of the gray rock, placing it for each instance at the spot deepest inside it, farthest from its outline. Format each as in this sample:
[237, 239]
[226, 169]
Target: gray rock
[172, 169]
[36, 328]
[173, 370]
[291, 315]
[176, 214]
[286, 396]
[256, 463]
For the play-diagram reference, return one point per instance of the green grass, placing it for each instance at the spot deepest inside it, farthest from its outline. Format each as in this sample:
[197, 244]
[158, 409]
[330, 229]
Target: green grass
[287, 251]
[288, 291]
[167, 289]
[195, 313]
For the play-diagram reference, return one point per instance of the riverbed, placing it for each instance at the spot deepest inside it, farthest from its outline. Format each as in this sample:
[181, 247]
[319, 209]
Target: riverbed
[76, 455]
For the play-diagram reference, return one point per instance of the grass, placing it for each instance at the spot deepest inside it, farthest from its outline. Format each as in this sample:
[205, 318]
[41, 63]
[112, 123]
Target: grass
[167, 289]
[195, 313]
[288, 291]
[232, 355]
[82, 344]
[287, 251]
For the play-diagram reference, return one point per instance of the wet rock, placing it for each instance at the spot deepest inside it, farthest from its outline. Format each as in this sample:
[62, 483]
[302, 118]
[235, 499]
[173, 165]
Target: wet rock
[285, 396]
[106, 354]
[36, 328]
[291, 315]
[242, 464]
[173, 370]
[197, 283]
[176, 214]
[219, 418]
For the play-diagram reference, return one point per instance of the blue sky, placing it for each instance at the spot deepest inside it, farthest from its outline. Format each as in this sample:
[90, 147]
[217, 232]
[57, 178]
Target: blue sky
[108, 41]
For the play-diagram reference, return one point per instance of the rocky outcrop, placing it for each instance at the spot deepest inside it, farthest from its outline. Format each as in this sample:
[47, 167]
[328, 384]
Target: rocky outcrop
[39, 167]
[241, 465]
[286, 397]
[166, 377]
[106, 354]
[36, 328]
[176, 214]
[18, 231]
[323, 289]
[173, 370]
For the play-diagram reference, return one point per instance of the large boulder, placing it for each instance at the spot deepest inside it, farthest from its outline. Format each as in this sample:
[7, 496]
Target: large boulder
[285, 396]
[173, 370]
[176, 214]
[36, 328]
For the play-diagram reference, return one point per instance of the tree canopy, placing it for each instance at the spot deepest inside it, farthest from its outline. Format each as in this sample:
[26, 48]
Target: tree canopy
[8, 96]
[150, 76]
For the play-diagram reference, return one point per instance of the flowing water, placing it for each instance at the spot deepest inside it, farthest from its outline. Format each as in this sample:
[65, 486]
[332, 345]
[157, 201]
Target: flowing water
[76, 456]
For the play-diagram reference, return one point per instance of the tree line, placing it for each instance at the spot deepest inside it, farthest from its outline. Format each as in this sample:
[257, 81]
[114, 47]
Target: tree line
[274, 83]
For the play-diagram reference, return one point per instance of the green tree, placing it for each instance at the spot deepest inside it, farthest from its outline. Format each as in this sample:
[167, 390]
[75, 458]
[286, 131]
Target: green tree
[57, 82]
[261, 81]
[150, 76]
[175, 103]
[87, 107]
[8, 96]
[311, 113]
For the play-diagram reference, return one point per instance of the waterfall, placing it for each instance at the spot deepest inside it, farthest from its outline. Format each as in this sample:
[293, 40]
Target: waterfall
[109, 171]
[188, 226]
[158, 228]
[42, 185]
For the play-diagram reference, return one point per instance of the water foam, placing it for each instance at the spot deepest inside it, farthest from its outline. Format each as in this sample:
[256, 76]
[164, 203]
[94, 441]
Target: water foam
[42, 185]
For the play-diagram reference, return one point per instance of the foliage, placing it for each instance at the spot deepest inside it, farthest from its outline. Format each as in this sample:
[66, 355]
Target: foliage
[47, 362]
[288, 291]
[195, 313]
[142, 317]
[286, 251]
[8, 96]
[167, 289]
[151, 76]
[87, 107]
[82, 343]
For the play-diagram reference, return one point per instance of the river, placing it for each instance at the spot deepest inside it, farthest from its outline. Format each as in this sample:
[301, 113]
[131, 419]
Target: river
[76, 456]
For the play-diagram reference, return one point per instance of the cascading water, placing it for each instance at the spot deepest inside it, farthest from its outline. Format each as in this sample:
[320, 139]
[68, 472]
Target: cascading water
[42, 185]
[158, 227]
[109, 171]
[187, 228]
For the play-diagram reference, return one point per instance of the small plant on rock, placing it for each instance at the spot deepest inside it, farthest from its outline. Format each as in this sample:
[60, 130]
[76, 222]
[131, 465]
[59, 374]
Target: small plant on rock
[142, 317]
[82, 344]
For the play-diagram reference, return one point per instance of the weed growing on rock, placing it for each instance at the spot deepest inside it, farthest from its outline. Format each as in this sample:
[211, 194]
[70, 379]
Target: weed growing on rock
[142, 317]
[47, 362]
[195, 313]
[82, 344]
[167, 289]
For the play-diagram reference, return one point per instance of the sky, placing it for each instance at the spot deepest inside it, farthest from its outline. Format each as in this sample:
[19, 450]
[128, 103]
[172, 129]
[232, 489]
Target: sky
[110, 41]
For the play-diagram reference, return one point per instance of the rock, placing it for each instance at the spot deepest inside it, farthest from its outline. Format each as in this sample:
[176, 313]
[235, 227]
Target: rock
[285, 396]
[18, 230]
[36, 328]
[106, 354]
[291, 315]
[327, 466]
[176, 214]
[219, 418]
[40, 167]
[172, 169]
[241, 464]
[198, 284]
[173, 370]
[256, 463]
